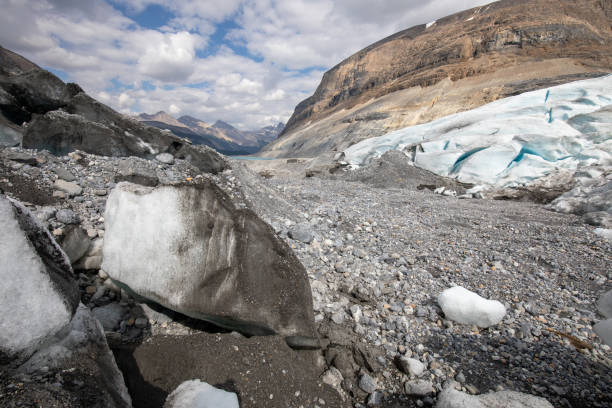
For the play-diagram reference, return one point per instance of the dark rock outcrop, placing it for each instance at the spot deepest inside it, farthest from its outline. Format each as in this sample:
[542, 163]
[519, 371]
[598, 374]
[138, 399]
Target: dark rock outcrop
[62, 118]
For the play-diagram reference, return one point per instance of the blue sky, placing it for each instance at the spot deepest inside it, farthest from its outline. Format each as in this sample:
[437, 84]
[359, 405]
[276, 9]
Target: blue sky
[247, 62]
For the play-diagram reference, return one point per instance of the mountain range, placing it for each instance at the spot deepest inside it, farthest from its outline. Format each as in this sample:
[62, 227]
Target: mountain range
[454, 64]
[221, 136]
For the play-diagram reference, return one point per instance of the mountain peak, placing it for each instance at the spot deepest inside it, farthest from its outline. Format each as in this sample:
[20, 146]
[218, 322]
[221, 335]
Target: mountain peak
[160, 116]
[223, 125]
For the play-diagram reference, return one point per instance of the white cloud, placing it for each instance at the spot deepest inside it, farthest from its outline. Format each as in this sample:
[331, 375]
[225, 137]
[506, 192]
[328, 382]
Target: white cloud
[173, 109]
[294, 42]
[276, 95]
[125, 100]
[171, 57]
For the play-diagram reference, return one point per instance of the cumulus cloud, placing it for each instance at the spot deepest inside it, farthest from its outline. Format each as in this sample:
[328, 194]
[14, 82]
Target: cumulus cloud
[171, 57]
[247, 62]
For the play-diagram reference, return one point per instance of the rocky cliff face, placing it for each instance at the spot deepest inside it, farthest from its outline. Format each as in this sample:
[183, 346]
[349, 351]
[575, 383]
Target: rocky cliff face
[457, 63]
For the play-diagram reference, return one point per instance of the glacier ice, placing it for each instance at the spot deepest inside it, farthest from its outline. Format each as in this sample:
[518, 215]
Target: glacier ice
[199, 394]
[463, 306]
[512, 141]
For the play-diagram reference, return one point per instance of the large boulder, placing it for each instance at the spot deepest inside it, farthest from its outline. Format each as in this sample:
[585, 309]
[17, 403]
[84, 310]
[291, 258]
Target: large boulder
[189, 249]
[61, 132]
[39, 294]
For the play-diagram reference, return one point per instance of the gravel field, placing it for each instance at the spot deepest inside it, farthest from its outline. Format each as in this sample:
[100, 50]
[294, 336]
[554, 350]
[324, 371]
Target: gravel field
[377, 259]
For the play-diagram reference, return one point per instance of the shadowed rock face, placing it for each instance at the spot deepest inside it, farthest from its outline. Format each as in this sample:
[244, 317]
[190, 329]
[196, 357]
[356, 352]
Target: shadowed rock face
[62, 118]
[214, 262]
[462, 61]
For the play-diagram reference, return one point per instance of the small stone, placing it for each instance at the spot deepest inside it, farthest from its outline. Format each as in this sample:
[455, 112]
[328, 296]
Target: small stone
[411, 366]
[166, 158]
[367, 383]
[338, 318]
[419, 388]
[302, 234]
[356, 313]
[64, 174]
[332, 377]
[75, 244]
[45, 213]
[100, 192]
[72, 189]
[66, 216]
[375, 399]
[90, 290]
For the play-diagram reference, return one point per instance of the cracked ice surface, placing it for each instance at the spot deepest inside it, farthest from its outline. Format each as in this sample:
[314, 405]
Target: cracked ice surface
[512, 141]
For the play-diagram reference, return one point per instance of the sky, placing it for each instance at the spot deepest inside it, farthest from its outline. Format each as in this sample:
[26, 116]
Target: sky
[248, 62]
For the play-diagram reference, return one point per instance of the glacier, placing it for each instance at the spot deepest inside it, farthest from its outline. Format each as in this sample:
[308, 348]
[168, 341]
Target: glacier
[510, 142]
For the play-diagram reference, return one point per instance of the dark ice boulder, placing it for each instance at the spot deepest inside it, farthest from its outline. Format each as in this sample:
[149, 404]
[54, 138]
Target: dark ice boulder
[189, 249]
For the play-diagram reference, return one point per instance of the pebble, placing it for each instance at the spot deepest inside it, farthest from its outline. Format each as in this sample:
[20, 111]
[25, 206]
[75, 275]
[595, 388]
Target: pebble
[67, 216]
[367, 383]
[411, 366]
[166, 158]
[418, 388]
[71, 189]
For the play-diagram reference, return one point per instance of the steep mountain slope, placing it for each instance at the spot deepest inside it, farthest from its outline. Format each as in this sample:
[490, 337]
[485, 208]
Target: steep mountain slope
[454, 64]
[221, 136]
[40, 111]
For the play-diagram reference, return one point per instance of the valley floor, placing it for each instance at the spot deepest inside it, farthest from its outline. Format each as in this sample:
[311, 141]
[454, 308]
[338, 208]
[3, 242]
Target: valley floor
[378, 258]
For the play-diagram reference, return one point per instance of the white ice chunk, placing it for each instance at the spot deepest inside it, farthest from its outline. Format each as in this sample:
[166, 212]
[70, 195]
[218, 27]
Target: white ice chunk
[198, 394]
[463, 306]
[33, 309]
[605, 233]
[451, 398]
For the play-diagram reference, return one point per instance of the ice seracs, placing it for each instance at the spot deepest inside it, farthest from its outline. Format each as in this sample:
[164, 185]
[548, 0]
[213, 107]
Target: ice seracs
[512, 141]
[463, 306]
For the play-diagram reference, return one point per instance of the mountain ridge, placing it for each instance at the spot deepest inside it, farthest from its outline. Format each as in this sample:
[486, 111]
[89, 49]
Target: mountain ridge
[457, 63]
[221, 135]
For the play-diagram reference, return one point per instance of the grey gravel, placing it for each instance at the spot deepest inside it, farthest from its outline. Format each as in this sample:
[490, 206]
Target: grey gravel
[67, 216]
